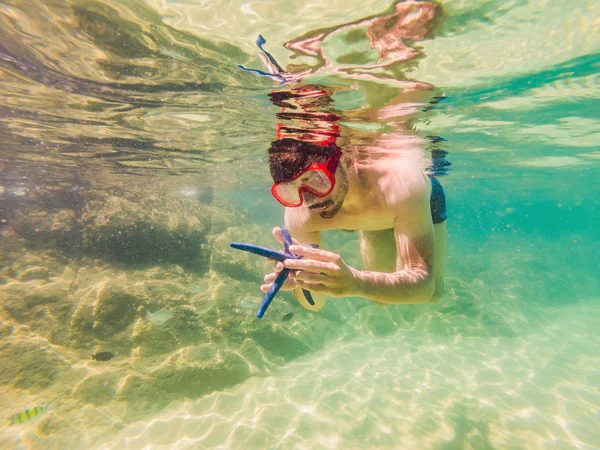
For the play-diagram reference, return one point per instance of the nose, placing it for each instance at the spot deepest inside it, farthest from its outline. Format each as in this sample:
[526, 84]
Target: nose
[309, 198]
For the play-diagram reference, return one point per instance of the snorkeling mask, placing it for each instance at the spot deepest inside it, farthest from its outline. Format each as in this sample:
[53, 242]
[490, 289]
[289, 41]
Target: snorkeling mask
[317, 179]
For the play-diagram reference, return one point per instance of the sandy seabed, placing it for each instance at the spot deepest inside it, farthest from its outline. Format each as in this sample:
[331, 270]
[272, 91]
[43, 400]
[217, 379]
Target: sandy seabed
[407, 390]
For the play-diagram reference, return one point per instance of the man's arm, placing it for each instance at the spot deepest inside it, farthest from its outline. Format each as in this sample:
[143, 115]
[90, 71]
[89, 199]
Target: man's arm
[413, 281]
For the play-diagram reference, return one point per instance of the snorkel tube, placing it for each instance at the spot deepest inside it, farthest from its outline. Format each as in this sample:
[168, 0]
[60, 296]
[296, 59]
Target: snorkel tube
[275, 70]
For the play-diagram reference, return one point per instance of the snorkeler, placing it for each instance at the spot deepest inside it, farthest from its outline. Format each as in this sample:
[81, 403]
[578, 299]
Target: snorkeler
[400, 214]
[379, 189]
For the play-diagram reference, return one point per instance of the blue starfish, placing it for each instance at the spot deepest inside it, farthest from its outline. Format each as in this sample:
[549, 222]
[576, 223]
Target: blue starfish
[283, 275]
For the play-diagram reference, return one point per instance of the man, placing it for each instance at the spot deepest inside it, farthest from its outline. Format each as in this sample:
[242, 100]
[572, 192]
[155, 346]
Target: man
[399, 211]
[376, 185]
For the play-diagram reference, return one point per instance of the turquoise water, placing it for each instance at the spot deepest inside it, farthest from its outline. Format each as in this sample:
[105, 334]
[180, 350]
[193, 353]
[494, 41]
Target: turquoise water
[134, 151]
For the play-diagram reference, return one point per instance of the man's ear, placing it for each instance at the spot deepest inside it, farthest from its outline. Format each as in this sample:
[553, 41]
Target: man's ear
[347, 161]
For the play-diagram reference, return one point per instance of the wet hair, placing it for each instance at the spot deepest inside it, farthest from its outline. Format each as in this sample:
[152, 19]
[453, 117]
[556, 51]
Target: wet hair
[280, 98]
[288, 157]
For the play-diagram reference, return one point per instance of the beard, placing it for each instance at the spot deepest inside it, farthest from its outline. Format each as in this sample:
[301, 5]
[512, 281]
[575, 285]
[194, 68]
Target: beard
[329, 213]
[336, 206]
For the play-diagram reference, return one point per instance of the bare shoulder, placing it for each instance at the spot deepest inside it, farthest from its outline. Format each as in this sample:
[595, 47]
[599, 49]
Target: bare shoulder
[413, 209]
[405, 188]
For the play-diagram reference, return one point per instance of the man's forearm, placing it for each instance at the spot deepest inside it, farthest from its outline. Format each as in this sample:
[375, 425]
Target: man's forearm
[404, 287]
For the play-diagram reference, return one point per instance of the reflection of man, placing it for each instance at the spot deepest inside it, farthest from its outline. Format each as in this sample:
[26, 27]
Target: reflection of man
[387, 34]
[399, 211]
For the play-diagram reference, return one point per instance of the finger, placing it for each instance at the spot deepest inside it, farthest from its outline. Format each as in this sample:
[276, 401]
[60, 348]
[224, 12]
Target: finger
[314, 253]
[312, 277]
[278, 266]
[312, 287]
[270, 277]
[318, 287]
[289, 285]
[311, 266]
[279, 237]
[277, 234]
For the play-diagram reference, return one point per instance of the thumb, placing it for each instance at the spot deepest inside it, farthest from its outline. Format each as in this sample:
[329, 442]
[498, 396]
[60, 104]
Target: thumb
[277, 235]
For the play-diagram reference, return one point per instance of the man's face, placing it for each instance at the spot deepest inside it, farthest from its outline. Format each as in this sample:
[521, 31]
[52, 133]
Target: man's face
[330, 205]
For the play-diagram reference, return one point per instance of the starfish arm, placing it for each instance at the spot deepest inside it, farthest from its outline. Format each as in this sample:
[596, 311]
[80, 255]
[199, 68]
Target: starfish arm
[272, 292]
[287, 239]
[261, 251]
[308, 297]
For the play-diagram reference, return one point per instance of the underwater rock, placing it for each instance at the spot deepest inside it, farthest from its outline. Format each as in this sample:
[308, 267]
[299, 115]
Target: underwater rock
[238, 265]
[135, 226]
[184, 327]
[81, 327]
[98, 389]
[6, 329]
[11, 249]
[149, 339]
[165, 293]
[47, 228]
[39, 259]
[168, 272]
[138, 392]
[159, 317]
[180, 332]
[230, 294]
[227, 214]
[42, 305]
[140, 229]
[30, 363]
[198, 370]
[105, 306]
[114, 309]
[34, 273]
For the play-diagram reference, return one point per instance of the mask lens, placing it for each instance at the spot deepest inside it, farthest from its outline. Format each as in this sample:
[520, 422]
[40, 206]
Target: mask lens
[315, 180]
[287, 194]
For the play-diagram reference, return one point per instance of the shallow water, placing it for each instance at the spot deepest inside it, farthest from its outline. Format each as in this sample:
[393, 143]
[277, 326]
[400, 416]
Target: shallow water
[134, 150]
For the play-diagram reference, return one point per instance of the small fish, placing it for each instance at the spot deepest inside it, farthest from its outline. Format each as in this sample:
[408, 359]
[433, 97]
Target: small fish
[28, 414]
[288, 316]
[103, 356]
[159, 317]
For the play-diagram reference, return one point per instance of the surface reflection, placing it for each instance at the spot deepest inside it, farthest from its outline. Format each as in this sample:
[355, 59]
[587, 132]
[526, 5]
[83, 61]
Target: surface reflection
[376, 42]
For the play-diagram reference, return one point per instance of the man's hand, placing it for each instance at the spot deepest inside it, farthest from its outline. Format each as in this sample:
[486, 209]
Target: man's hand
[321, 271]
[289, 284]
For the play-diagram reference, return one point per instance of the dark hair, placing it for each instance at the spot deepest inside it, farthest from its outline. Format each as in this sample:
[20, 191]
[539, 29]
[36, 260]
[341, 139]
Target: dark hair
[280, 98]
[288, 157]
